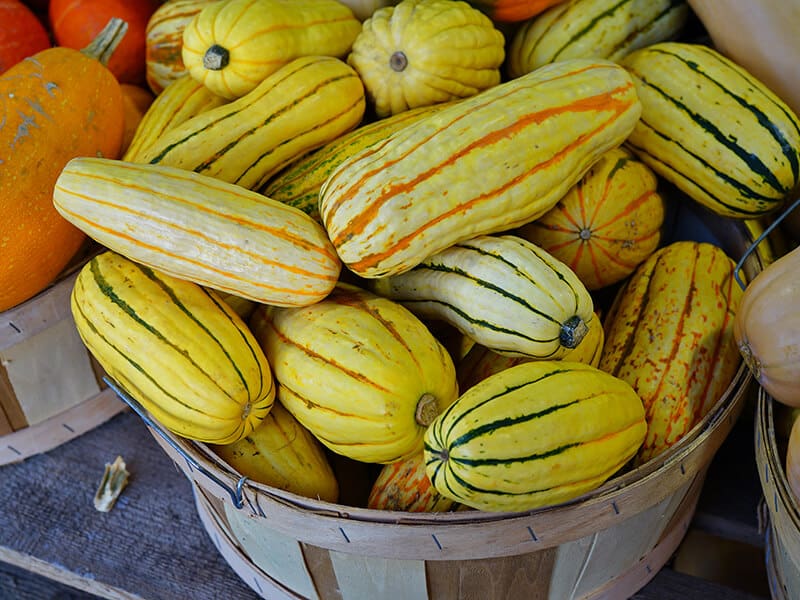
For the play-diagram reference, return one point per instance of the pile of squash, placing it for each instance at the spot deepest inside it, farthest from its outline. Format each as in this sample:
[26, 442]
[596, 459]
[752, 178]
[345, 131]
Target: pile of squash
[425, 236]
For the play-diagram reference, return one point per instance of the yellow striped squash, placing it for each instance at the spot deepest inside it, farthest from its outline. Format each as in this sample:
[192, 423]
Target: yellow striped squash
[299, 184]
[669, 333]
[504, 292]
[175, 347]
[181, 100]
[232, 46]
[281, 453]
[713, 130]
[188, 225]
[536, 434]
[594, 29]
[423, 52]
[302, 106]
[488, 163]
[163, 41]
[361, 372]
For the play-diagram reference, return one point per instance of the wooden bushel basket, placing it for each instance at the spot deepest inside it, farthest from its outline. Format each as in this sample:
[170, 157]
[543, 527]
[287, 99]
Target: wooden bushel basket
[51, 389]
[783, 530]
[607, 543]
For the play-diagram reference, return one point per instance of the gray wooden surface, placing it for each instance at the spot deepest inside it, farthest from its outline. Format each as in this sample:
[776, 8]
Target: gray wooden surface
[152, 544]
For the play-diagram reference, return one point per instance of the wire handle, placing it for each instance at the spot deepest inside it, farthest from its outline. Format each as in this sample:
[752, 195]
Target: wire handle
[759, 239]
[235, 493]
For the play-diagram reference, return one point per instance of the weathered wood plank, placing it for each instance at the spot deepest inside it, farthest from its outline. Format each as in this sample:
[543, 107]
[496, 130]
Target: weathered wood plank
[151, 544]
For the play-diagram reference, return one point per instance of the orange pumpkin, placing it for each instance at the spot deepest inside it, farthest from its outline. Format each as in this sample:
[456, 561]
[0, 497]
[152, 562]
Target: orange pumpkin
[607, 224]
[75, 23]
[512, 11]
[21, 33]
[63, 104]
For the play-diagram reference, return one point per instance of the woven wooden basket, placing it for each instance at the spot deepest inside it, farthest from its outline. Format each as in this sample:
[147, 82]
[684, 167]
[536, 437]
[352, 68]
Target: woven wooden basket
[51, 389]
[783, 529]
[606, 544]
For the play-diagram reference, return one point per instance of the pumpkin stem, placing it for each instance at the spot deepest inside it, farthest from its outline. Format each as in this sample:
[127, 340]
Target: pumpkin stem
[398, 61]
[750, 360]
[216, 58]
[427, 410]
[103, 46]
[573, 330]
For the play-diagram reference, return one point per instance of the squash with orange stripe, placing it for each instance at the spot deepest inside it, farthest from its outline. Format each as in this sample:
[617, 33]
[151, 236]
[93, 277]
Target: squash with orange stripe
[359, 371]
[195, 227]
[536, 434]
[669, 333]
[488, 163]
[175, 347]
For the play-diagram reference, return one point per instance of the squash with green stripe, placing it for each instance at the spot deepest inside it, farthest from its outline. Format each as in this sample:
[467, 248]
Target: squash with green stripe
[181, 100]
[594, 29]
[175, 347]
[486, 164]
[533, 435]
[669, 334]
[198, 228]
[713, 130]
[302, 106]
[359, 371]
[504, 292]
[299, 184]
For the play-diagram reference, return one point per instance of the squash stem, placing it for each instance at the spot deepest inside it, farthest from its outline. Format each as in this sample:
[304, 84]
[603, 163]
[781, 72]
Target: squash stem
[216, 58]
[573, 330]
[103, 46]
[427, 410]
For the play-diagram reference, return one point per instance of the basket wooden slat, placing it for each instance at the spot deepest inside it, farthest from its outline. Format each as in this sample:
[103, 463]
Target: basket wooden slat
[783, 540]
[51, 388]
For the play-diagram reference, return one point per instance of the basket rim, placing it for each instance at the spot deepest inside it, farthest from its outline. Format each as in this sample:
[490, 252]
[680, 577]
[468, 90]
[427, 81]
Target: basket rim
[674, 459]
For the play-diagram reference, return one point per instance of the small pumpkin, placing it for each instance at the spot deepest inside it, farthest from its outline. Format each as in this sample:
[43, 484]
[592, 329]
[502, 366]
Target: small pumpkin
[607, 224]
[76, 22]
[422, 52]
[767, 328]
[64, 103]
[21, 34]
[513, 11]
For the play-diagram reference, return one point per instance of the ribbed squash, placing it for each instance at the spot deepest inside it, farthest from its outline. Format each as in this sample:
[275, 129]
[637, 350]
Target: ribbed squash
[422, 52]
[593, 29]
[669, 333]
[195, 227]
[713, 130]
[529, 140]
[404, 486]
[299, 184]
[175, 347]
[180, 100]
[536, 434]
[164, 41]
[361, 372]
[607, 223]
[232, 46]
[479, 362]
[503, 292]
[302, 106]
[282, 453]
[767, 328]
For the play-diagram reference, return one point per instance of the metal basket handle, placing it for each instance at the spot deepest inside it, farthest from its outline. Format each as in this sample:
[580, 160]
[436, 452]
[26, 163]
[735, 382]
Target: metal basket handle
[234, 492]
[759, 239]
